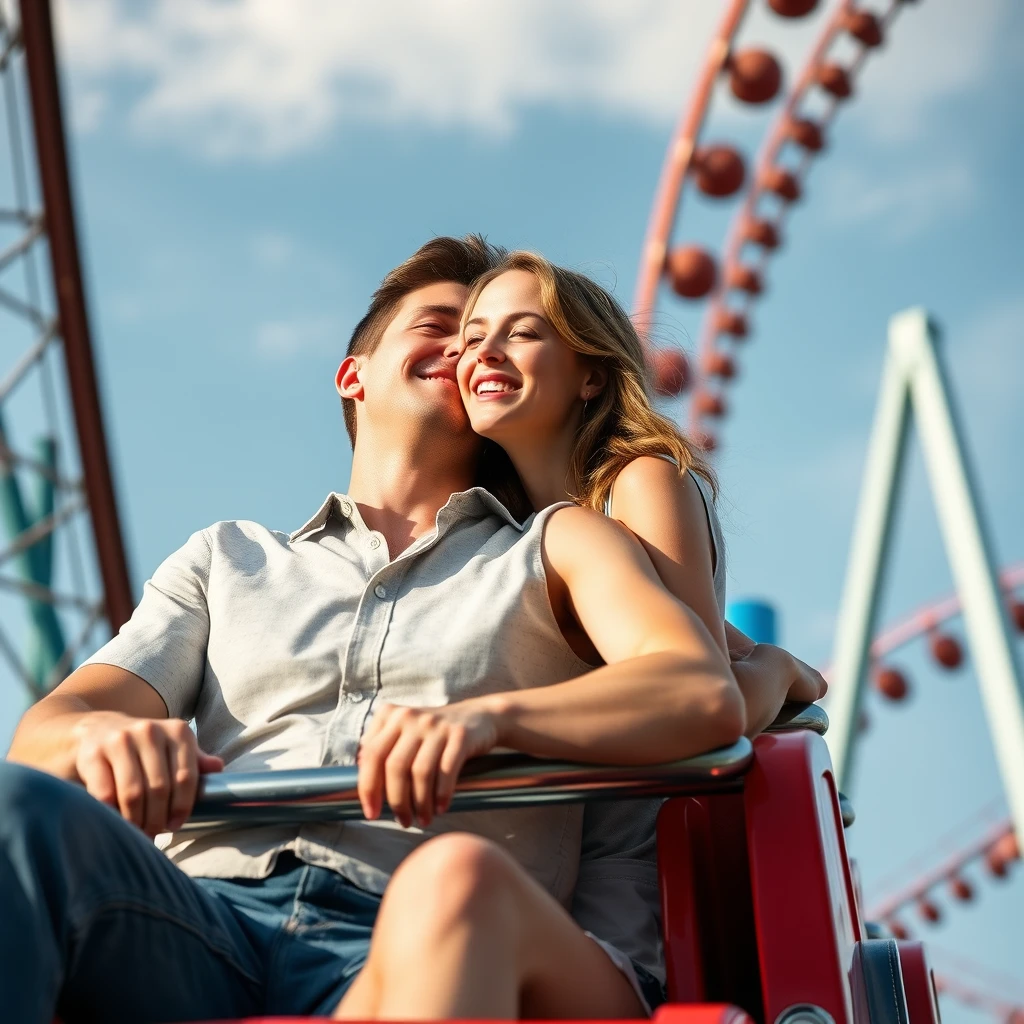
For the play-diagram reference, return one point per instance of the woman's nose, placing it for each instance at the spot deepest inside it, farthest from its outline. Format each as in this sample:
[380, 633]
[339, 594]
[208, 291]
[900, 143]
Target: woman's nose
[490, 350]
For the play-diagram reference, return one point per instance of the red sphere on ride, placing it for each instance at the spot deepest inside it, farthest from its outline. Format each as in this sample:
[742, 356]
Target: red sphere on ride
[792, 8]
[929, 911]
[691, 271]
[754, 76]
[864, 27]
[996, 864]
[946, 650]
[782, 182]
[898, 929]
[728, 321]
[961, 889]
[835, 80]
[1017, 614]
[670, 371]
[761, 232]
[720, 170]
[805, 133]
[707, 403]
[719, 364]
[892, 683]
[745, 279]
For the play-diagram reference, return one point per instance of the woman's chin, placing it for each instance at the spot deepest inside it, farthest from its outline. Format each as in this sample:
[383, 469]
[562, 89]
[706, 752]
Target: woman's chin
[491, 426]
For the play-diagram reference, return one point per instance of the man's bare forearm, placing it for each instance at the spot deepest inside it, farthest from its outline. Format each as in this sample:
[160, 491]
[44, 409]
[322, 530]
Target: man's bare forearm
[45, 737]
[646, 710]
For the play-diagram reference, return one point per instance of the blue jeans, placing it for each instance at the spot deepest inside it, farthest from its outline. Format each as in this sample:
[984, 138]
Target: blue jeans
[97, 925]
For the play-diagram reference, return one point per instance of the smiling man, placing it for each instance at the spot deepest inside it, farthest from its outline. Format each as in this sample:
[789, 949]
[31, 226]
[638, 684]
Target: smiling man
[409, 624]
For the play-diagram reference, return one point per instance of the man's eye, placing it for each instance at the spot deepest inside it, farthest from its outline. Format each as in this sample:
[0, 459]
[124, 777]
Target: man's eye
[430, 326]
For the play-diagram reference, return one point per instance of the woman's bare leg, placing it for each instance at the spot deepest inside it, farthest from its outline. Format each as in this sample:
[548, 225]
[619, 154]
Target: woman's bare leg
[463, 931]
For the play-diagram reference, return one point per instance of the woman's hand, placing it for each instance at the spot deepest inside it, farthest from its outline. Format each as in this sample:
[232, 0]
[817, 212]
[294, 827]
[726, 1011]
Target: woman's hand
[413, 756]
[768, 677]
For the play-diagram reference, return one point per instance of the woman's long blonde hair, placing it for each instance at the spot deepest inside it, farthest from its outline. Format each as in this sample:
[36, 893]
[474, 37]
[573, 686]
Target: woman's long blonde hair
[620, 424]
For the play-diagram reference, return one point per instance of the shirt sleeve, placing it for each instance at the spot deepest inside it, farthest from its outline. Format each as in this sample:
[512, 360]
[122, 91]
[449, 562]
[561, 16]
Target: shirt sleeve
[165, 640]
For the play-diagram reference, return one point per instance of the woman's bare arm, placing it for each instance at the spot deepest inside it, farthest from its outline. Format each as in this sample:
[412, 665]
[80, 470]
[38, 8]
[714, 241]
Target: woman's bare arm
[665, 510]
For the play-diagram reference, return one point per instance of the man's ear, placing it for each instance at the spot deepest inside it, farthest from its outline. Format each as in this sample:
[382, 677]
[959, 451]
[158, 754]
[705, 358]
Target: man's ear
[346, 380]
[594, 383]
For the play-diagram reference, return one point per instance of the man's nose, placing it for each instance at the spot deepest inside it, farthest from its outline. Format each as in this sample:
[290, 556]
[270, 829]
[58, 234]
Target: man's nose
[455, 347]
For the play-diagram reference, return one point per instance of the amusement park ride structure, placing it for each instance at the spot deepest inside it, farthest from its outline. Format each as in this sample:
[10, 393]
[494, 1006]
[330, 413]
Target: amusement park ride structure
[72, 481]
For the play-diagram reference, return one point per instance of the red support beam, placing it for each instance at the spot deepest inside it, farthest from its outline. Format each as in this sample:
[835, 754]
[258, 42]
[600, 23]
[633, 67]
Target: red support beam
[44, 91]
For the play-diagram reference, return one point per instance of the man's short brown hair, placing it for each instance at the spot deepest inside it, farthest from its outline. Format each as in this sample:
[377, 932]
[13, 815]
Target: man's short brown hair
[461, 260]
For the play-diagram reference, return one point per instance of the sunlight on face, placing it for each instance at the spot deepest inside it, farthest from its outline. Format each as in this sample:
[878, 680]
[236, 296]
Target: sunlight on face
[410, 377]
[516, 376]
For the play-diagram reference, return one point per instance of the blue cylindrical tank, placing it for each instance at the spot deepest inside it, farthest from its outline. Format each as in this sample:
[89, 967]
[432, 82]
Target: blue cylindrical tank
[755, 618]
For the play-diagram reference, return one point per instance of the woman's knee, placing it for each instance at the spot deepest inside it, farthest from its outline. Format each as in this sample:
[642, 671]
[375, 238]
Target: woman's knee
[458, 875]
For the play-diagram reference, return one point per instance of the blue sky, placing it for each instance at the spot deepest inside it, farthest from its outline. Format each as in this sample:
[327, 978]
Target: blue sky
[247, 172]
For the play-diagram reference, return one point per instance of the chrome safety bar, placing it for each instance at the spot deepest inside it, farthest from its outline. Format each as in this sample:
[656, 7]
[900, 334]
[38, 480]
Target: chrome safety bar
[497, 780]
[800, 716]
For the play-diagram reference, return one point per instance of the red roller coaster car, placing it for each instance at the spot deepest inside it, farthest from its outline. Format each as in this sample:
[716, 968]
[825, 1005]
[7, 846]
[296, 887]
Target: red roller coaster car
[761, 904]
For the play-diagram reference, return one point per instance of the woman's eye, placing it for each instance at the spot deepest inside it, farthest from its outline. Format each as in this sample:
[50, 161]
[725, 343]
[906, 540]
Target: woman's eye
[522, 332]
[473, 341]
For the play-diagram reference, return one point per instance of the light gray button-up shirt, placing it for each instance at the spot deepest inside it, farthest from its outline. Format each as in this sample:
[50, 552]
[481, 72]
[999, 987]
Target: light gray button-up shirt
[279, 646]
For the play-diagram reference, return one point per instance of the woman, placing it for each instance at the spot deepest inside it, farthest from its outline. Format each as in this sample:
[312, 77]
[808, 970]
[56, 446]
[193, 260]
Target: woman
[552, 371]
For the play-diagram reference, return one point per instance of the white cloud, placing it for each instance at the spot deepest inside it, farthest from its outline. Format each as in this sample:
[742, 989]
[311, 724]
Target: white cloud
[284, 339]
[262, 78]
[902, 205]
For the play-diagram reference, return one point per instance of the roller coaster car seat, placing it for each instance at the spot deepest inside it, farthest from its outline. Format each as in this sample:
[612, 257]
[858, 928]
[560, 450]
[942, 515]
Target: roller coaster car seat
[761, 906]
[762, 916]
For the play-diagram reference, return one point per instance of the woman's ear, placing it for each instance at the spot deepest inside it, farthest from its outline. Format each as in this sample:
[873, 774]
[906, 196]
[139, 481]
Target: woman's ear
[594, 383]
[346, 380]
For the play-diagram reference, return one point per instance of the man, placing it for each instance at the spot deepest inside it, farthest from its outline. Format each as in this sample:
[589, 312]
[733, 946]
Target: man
[375, 631]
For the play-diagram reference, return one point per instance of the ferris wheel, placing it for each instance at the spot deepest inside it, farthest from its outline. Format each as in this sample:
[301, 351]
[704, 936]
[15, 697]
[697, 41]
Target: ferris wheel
[730, 284]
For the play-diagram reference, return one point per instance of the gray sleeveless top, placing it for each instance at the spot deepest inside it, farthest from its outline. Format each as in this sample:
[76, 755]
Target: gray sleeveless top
[616, 896]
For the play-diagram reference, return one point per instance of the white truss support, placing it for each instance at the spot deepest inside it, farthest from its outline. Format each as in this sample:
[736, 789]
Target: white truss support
[914, 380]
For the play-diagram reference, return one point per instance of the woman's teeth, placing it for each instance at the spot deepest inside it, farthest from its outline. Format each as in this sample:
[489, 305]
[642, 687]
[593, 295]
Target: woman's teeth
[490, 386]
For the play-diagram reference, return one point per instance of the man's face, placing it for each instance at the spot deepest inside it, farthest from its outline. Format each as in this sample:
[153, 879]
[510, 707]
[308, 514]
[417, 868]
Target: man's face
[410, 377]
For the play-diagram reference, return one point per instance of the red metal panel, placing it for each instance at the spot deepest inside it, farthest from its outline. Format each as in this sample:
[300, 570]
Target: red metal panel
[680, 824]
[803, 892]
[710, 1013]
[918, 984]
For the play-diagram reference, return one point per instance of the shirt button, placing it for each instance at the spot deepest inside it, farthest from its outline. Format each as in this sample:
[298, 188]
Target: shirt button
[346, 508]
[375, 542]
[380, 591]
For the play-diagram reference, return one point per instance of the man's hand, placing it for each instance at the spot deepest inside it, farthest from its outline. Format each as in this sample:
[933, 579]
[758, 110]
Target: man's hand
[413, 756]
[768, 677]
[148, 769]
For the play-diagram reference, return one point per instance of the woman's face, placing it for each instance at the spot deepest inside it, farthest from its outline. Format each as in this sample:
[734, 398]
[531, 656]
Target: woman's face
[516, 375]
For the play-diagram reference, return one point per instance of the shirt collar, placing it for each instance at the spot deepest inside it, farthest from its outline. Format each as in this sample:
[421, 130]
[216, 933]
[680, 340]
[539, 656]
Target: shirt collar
[476, 503]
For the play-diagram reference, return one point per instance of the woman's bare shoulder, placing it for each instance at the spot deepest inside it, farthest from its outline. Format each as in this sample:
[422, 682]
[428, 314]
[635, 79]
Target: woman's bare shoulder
[649, 483]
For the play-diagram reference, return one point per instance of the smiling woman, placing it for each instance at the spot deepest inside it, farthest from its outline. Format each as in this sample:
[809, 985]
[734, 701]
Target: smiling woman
[549, 353]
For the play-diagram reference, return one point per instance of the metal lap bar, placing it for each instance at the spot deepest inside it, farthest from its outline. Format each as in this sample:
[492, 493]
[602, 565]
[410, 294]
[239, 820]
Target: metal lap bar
[800, 716]
[238, 799]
